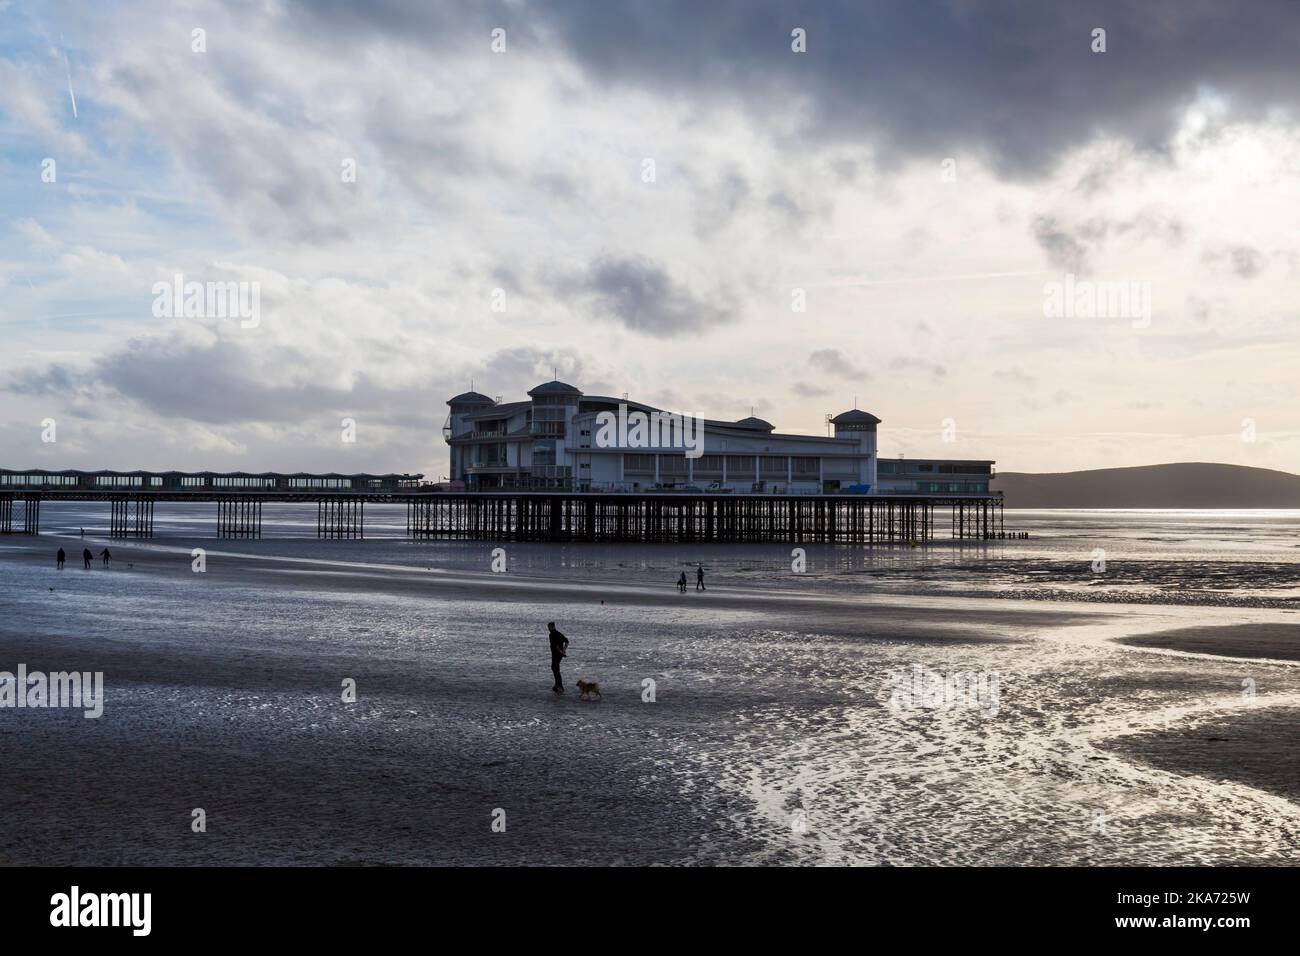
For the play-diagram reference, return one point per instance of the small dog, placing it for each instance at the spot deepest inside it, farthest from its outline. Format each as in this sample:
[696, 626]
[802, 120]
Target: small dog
[588, 687]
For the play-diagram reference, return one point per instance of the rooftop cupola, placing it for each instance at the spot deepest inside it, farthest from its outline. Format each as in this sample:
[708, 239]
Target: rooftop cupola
[854, 420]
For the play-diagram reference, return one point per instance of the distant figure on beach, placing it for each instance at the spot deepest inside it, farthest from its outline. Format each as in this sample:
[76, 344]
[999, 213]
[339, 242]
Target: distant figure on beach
[699, 579]
[681, 583]
[559, 644]
[83, 532]
[106, 556]
[60, 558]
[87, 557]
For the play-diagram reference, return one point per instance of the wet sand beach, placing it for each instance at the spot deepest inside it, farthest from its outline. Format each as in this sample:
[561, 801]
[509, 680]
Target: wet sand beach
[1276, 641]
[775, 733]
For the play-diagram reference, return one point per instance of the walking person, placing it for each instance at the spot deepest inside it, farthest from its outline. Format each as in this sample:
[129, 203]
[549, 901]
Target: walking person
[699, 579]
[559, 646]
[681, 583]
[106, 556]
[60, 558]
[87, 557]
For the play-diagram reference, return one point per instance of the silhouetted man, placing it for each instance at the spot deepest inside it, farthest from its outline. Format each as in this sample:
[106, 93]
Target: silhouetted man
[559, 643]
[699, 579]
[87, 557]
[60, 557]
[681, 583]
[106, 556]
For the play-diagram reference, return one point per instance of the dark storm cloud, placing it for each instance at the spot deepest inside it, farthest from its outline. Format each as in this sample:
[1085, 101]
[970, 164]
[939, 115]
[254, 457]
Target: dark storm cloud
[1014, 81]
[641, 295]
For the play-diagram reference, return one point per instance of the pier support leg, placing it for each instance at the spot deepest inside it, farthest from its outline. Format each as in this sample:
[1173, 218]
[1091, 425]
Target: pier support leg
[32, 514]
[238, 518]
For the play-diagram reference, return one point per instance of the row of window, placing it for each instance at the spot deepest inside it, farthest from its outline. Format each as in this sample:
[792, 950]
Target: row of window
[226, 481]
[190, 482]
[888, 467]
[125, 481]
[952, 487]
[220, 481]
[38, 479]
[710, 466]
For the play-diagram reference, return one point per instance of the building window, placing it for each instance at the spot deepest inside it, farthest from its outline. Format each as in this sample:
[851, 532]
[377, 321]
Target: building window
[709, 465]
[805, 467]
[672, 465]
[639, 463]
[543, 452]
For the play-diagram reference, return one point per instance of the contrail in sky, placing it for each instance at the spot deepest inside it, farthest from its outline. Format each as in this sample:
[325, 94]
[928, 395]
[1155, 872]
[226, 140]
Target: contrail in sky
[68, 70]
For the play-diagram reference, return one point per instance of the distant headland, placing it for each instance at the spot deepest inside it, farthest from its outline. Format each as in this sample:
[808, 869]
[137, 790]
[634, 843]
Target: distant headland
[1191, 484]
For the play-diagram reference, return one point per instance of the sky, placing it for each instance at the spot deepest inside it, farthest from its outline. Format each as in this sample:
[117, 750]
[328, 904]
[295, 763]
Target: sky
[717, 208]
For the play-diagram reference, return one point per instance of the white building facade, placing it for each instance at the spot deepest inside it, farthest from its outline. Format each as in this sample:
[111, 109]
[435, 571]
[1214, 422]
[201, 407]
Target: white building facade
[555, 441]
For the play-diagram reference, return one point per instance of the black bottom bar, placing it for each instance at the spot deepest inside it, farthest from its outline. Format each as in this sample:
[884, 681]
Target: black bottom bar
[920, 906]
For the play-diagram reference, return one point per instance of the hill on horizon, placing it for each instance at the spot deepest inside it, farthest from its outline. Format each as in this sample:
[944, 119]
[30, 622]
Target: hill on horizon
[1178, 485]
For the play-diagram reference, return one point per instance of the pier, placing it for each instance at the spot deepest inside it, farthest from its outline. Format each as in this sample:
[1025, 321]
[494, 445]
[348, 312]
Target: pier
[341, 502]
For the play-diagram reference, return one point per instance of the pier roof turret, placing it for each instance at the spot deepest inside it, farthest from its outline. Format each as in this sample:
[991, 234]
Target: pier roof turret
[554, 387]
[855, 420]
[471, 398]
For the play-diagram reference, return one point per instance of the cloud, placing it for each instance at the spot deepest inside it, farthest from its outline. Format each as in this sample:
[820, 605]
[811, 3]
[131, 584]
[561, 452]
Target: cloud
[642, 296]
[219, 382]
[1018, 83]
[1016, 376]
[906, 363]
[834, 362]
[1245, 261]
[1063, 250]
[34, 95]
[718, 202]
[513, 371]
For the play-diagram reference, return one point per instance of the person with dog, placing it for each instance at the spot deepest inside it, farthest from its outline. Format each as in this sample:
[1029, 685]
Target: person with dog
[559, 646]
